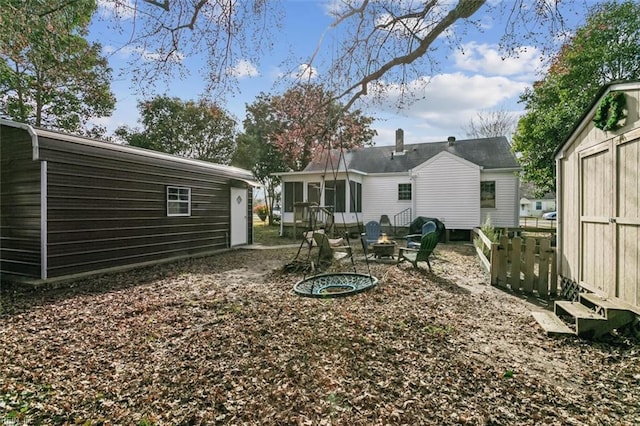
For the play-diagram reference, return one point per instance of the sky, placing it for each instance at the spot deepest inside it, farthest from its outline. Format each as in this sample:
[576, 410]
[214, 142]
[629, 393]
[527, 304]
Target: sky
[468, 81]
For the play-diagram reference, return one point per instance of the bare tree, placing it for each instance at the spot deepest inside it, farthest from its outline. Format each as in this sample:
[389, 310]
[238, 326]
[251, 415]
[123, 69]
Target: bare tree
[381, 45]
[488, 124]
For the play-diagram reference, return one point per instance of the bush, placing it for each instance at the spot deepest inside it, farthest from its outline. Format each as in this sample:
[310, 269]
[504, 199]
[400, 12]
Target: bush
[490, 232]
[261, 211]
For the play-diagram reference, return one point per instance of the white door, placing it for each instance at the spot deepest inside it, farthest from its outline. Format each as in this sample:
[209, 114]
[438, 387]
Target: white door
[238, 216]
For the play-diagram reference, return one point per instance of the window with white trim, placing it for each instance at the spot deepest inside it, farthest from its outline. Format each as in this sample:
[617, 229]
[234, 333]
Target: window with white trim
[178, 201]
[488, 194]
[404, 191]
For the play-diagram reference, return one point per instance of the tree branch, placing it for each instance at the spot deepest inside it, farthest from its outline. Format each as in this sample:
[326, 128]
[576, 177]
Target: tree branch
[464, 9]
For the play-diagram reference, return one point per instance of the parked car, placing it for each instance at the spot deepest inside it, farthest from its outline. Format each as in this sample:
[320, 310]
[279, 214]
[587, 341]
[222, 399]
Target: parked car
[277, 213]
[550, 215]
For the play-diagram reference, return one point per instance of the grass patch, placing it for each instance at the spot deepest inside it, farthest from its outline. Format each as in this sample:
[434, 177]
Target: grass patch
[269, 235]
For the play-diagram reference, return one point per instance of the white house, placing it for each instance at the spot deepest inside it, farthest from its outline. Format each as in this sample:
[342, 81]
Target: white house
[459, 182]
[533, 205]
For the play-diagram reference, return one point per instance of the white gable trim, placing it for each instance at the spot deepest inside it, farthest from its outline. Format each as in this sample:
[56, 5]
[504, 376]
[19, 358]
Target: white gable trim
[438, 156]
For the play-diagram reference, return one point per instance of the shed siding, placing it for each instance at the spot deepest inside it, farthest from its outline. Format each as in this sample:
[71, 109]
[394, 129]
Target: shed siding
[19, 205]
[505, 214]
[448, 188]
[108, 208]
[599, 221]
[382, 197]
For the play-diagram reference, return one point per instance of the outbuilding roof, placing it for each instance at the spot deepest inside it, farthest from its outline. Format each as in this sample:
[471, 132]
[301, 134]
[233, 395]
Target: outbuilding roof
[488, 153]
[36, 133]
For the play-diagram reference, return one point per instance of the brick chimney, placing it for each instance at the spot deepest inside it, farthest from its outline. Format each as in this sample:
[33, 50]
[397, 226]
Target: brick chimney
[399, 140]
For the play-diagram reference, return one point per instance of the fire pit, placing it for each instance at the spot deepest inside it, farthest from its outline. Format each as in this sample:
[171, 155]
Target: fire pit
[384, 247]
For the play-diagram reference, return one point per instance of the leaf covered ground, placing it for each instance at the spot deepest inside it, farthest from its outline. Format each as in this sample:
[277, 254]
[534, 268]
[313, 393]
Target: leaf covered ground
[225, 340]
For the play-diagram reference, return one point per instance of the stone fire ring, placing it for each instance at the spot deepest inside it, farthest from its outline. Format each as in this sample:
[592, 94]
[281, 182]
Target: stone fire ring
[334, 285]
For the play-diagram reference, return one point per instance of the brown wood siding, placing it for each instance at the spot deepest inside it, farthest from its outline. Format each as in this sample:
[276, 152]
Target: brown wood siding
[19, 205]
[108, 208]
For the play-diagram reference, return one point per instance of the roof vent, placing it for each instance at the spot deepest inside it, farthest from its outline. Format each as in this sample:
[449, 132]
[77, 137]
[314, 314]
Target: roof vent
[451, 140]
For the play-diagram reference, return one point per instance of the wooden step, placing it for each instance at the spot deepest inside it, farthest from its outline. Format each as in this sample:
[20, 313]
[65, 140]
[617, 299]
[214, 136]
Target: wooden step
[587, 322]
[617, 313]
[576, 310]
[597, 302]
[551, 324]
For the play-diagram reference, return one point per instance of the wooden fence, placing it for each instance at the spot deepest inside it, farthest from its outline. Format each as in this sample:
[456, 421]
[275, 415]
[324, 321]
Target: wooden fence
[521, 264]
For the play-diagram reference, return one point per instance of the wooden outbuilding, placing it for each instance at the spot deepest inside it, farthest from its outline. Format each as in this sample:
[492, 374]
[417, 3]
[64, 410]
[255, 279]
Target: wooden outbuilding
[72, 206]
[598, 189]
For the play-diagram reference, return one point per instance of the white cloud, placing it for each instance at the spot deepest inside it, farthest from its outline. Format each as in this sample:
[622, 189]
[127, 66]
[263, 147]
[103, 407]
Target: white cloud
[486, 59]
[305, 72]
[446, 102]
[243, 69]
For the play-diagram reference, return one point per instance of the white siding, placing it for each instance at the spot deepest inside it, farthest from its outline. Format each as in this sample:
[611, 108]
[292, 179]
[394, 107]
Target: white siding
[506, 211]
[380, 196]
[448, 188]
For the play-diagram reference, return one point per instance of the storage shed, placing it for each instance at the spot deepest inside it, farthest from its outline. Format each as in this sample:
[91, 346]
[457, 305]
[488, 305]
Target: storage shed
[73, 206]
[598, 187]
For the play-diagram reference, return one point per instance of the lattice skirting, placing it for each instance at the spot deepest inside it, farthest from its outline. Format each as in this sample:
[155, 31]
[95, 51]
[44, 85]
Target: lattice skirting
[570, 290]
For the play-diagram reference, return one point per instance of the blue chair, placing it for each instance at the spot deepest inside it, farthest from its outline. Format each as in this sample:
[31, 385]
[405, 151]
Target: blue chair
[413, 240]
[370, 235]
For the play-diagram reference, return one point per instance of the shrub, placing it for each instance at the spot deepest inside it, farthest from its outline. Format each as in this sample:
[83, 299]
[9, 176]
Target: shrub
[261, 211]
[490, 232]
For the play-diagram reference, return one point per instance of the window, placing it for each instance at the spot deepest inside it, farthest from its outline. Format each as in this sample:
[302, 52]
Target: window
[488, 194]
[334, 195]
[313, 192]
[178, 201]
[292, 195]
[404, 191]
[538, 205]
[355, 189]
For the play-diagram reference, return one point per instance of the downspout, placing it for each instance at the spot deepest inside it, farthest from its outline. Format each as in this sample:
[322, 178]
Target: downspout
[414, 191]
[559, 212]
[43, 200]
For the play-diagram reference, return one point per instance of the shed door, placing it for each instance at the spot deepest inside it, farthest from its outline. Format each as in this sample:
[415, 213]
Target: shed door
[610, 219]
[239, 223]
[627, 221]
[597, 236]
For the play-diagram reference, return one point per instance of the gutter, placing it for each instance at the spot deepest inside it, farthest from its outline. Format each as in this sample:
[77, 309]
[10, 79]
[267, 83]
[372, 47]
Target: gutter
[35, 149]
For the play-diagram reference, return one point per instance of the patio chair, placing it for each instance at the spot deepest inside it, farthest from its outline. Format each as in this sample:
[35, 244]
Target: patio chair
[414, 240]
[428, 243]
[370, 235]
[329, 251]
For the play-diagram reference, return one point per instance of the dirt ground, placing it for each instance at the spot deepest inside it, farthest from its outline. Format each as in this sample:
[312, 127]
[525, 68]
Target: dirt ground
[225, 340]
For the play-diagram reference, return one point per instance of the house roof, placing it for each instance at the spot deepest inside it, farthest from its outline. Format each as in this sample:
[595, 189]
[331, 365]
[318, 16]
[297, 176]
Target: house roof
[36, 132]
[488, 153]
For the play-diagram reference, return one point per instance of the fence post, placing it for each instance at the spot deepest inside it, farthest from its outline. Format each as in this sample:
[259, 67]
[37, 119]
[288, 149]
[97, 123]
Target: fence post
[553, 279]
[529, 263]
[543, 278]
[495, 267]
[516, 250]
[503, 252]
